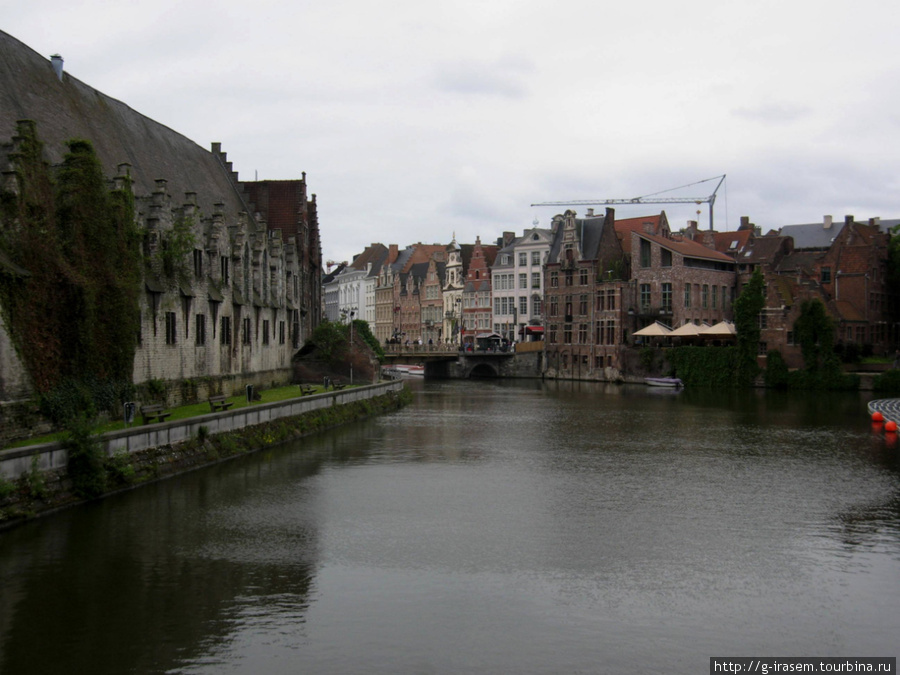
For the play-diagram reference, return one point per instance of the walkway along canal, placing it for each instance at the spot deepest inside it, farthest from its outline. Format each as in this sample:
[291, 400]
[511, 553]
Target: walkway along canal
[160, 450]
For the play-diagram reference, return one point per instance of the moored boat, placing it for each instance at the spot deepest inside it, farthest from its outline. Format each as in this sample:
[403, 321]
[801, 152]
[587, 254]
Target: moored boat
[671, 382]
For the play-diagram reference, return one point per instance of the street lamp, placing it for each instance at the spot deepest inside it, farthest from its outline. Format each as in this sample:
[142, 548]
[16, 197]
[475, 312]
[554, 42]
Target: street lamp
[352, 313]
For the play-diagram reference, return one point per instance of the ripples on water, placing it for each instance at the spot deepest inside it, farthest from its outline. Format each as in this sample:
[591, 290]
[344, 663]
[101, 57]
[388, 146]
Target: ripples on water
[492, 528]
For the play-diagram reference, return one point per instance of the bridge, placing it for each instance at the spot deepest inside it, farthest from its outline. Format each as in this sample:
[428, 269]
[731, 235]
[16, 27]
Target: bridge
[441, 362]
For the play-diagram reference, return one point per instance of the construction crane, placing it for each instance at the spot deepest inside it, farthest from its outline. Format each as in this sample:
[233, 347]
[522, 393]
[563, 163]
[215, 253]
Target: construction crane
[653, 199]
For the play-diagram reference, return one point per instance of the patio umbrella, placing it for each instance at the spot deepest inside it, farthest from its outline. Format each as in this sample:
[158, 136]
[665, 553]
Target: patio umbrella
[655, 329]
[723, 329]
[687, 330]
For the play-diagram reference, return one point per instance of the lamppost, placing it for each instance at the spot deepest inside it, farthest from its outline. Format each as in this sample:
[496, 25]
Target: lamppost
[352, 313]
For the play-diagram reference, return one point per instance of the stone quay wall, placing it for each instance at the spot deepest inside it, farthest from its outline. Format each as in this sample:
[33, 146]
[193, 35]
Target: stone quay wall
[51, 456]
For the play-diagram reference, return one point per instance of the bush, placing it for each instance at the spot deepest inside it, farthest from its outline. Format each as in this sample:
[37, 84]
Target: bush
[87, 469]
[888, 381]
[777, 372]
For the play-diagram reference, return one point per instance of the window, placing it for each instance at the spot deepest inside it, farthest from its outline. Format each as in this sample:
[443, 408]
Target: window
[582, 333]
[763, 349]
[667, 297]
[536, 306]
[567, 333]
[583, 277]
[223, 269]
[715, 297]
[281, 332]
[198, 262]
[763, 320]
[523, 280]
[504, 259]
[583, 305]
[665, 257]
[610, 300]
[569, 277]
[554, 279]
[645, 253]
[535, 257]
[645, 297]
[265, 335]
[568, 311]
[170, 328]
[687, 296]
[523, 306]
[826, 275]
[497, 306]
[226, 330]
[535, 279]
[551, 334]
[523, 260]
[554, 306]
[245, 331]
[200, 333]
[704, 297]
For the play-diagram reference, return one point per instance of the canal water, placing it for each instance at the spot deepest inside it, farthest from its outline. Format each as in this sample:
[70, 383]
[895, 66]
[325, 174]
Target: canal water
[490, 527]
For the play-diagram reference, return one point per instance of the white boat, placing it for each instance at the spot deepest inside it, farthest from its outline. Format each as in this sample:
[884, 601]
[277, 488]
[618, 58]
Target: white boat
[410, 371]
[671, 382]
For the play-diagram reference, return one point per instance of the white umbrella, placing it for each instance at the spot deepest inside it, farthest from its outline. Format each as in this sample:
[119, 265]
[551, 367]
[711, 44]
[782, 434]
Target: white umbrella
[721, 329]
[655, 329]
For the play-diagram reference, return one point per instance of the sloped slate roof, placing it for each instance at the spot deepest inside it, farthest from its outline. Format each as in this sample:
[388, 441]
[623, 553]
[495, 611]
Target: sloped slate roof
[688, 248]
[67, 109]
[588, 231]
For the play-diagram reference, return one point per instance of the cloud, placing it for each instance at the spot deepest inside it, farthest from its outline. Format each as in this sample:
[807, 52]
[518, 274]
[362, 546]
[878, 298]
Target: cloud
[774, 113]
[505, 78]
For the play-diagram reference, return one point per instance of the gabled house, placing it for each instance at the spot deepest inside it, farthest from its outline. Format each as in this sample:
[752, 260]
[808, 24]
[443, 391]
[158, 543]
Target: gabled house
[583, 337]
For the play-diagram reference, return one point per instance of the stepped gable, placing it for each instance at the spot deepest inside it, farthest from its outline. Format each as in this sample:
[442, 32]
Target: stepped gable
[69, 108]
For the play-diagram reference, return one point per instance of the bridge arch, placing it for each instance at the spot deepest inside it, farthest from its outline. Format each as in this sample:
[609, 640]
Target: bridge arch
[483, 370]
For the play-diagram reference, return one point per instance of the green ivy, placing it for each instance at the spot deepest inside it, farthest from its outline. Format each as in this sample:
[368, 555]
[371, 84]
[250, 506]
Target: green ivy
[73, 317]
[704, 366]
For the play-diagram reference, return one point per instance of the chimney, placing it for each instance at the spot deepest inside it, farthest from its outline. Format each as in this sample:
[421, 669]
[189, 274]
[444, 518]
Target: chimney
[827, 222]
[848, 220]
[393, 252]
[745, 223]
[590, 212]
[57, 62]
[508, 238]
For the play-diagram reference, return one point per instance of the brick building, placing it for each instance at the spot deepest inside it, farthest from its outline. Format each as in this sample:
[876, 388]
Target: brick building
[583, 341]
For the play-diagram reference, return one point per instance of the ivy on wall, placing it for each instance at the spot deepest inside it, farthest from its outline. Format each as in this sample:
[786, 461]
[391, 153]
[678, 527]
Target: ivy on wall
[74, 316]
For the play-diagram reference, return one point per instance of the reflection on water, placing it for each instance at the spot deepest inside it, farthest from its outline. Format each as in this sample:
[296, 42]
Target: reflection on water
[491, 526]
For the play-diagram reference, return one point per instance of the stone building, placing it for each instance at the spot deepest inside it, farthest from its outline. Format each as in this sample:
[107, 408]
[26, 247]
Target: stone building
[583, 305]
[517, 280]
[235, 307]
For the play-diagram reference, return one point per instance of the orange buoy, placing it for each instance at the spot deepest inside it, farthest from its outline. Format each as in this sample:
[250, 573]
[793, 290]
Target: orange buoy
[890, 425]
[877, 417]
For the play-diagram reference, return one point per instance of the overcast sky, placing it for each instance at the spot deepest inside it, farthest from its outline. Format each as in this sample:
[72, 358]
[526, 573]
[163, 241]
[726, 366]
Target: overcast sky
[415, 120]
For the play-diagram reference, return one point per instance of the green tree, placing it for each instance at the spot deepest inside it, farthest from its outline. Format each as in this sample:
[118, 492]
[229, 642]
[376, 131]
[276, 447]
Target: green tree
[747, 307]
[331, 341]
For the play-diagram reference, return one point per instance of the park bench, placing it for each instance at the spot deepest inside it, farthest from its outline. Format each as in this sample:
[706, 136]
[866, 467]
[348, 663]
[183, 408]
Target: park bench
[337, 385]
[219, 403]
[154, 413]
[306, 389]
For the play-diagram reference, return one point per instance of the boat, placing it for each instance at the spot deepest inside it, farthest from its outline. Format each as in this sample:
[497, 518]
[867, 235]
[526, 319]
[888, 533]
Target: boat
[406, 371]
[671, 382]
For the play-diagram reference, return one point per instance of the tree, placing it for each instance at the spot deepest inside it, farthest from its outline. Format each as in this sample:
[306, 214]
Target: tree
[747, 307]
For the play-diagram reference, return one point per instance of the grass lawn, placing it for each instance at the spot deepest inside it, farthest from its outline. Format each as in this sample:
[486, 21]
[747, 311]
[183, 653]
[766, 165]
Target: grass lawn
[180, 413]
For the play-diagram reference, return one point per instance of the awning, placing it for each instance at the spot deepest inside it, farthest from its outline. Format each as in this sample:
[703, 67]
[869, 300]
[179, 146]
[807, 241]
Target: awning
[655, 329]
[534, 330]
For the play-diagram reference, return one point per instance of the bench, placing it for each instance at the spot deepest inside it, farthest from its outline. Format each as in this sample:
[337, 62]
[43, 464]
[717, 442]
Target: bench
[337, 385]
[219, 403]
[154, 413]
[306, 389]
